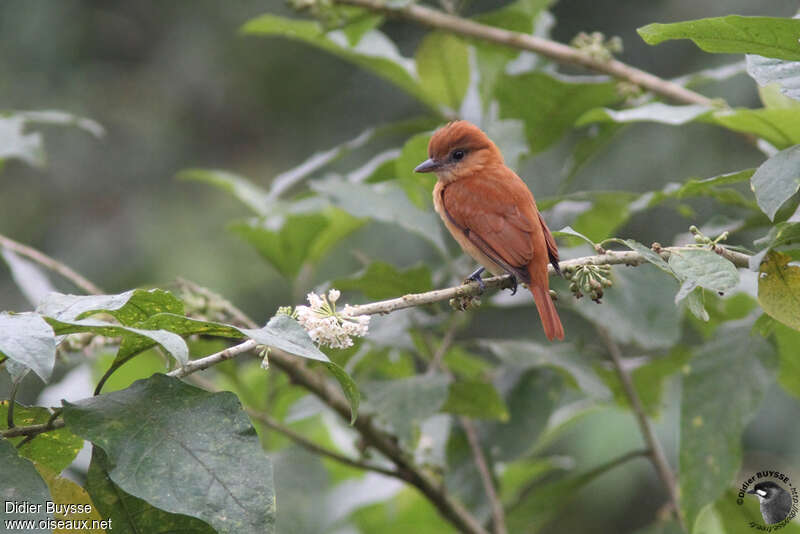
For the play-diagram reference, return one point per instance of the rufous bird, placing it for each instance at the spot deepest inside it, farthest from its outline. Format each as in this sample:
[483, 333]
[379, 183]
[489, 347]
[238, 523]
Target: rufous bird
[492, 214]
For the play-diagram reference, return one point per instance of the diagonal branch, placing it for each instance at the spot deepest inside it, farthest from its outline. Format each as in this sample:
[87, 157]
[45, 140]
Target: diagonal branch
[498, 514]
[562, 53]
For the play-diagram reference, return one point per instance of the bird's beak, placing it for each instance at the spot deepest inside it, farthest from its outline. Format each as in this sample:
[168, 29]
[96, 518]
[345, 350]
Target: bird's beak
[429, 165]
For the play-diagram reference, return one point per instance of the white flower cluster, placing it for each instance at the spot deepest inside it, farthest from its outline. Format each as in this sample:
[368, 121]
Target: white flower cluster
[328, 327]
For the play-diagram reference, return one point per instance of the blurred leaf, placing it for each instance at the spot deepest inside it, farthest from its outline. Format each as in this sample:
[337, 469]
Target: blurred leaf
[16, 144]
[476, 399]
[592, 140]
[418, 186]
[517, 475]
[129, 308]
[61, 118]
[55, 449]
[701, 187]
[765, 36]
[563, 358]
[705, 268]
[169, 443]
[773, 98]
[406, 402]
[777, 180]
[767, 71]
[648, 379]
[779, 289]
[21, 482]
[695, 303]
[652, 112]
[358, 22]
[28, 340]
[558, 102]
[252, 196]
[722, 390]
[29, 277]
[374, 52]
[385, 203]
[567, 231]
[407, 512]
[283, 332]
[789, 367]
[609, 211]
[637, 309]
[443, 68]
[67, 493]
[382, 280]
[349, 388]
[340, 225]
[131, 514]
[466, 365]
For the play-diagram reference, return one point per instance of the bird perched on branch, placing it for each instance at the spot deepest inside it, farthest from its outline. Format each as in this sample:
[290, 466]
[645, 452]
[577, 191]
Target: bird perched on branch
[776, 502]
[492, 214]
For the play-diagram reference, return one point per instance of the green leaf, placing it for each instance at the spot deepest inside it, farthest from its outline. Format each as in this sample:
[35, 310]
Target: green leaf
[779, 289]
[283, 332]
[28, 340]
[557, 104]
[386, 203]
[789, 367]
[360, 21]
[61, 118]
[637, 309]
[477, 399]
[704, 268]
[406, 402]
[777, 180]
[770, 71]
[172, 343]
[128, 308]
[701, 187]
[443, 68]
[252, 196]
[567, 231]
[382, 280]
[652, 112]
[16, 144]
[722, 390]
[765, 36]
[418, 187]
[29, 277]
[374, 52]
[65, 492]
[609, 211]
[348, 387]
[647, 252]
[170, 444]
[55, 449]
[128, 513]
[591, 142]
[21, 482]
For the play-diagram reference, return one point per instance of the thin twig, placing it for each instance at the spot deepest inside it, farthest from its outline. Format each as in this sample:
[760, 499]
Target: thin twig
[444, 346]
[218, 357]
[657, 456]
[32, 430]
[52, 264]
[562, 53]
[498, 515]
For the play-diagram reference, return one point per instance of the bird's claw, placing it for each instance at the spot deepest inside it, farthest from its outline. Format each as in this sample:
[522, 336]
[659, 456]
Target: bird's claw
[476, 277]
[513, 285]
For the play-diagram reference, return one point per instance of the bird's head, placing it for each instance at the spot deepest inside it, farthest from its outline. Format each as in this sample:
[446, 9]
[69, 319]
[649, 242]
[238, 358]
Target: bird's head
[766, 490]
[459, 149]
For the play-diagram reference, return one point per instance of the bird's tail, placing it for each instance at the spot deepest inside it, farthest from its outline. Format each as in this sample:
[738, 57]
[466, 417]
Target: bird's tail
[551, 322]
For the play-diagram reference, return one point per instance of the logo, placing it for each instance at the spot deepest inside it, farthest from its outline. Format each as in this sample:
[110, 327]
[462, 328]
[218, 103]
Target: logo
[777, 498]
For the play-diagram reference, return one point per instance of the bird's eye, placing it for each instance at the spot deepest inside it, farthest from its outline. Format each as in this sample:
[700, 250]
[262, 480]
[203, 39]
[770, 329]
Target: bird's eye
[458, 154]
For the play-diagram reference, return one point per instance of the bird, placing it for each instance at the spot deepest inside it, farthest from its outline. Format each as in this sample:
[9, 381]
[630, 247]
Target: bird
[492, 214]
[776, 502]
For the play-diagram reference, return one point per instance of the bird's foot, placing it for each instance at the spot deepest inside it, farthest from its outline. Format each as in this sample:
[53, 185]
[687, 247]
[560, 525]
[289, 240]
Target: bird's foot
[476, 277]
[513, 285]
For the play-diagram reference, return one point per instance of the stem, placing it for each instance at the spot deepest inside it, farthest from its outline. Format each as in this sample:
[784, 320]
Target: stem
[562, 53]
[54, 265]
[657, 456]
[498, 515]
[32, 430]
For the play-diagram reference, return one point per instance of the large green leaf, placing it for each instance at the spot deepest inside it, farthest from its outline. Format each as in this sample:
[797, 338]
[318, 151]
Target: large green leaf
[638, 308]
[406, 402]
[170, 444]
[27, 339]
[65, 492]
[767, 71]
[29, 276]
[381, 280]
[443, 68]
[283, 332]
[704, 268]
[779, 289]
[777, 180]
[789, 370]
[475, 398]
[550, 105]
[374, 51]
[722, 389]
[128, 513]
[55, 449]
[385, 203]
[765, 36]
[21, 483]
[129, 308]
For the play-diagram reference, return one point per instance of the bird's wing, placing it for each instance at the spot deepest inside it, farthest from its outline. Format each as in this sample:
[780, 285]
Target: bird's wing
[552, 248]
[495, 213]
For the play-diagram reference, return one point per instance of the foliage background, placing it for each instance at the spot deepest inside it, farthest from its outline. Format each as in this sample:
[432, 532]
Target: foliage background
[175, 86]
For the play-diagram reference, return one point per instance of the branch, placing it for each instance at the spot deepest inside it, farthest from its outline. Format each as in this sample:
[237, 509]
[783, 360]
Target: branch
[498, 514]
[562, 53]
[656, 455]
[32, 430]
[610, 257]
[54, 265]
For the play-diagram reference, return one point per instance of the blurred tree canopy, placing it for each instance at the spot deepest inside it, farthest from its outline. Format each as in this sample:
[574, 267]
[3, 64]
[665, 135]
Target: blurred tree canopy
[274, 322]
